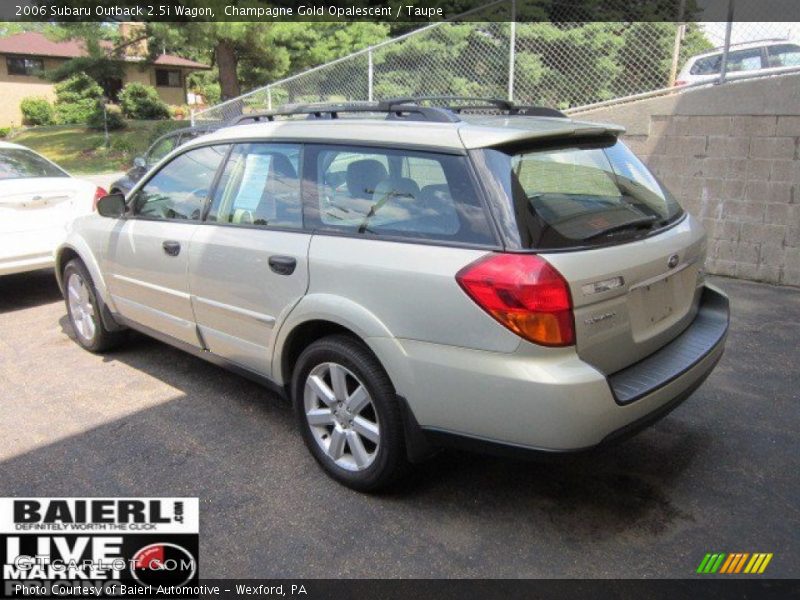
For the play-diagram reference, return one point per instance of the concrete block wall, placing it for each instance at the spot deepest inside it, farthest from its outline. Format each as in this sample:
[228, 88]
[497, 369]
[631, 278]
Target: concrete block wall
[731, 155]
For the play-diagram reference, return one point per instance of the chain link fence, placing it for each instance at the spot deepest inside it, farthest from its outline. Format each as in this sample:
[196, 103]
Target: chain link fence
[564, 64]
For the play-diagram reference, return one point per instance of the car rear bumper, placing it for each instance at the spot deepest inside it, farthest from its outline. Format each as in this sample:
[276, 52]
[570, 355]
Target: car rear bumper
[9, 266]
[552, 400]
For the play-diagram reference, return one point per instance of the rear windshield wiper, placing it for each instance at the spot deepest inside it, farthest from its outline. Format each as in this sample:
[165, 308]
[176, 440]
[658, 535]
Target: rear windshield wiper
[635, 224]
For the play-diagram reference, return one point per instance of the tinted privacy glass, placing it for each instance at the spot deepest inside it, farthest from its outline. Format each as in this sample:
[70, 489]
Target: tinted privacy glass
[394, 193]
[260, 186]
[180, 188]
[16, 163]
[577, 196]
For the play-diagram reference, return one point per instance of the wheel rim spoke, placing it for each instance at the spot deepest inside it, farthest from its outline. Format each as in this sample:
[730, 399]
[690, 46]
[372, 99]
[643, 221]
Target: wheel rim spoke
[321, 389]
[336, 446]
[367, 429]
[357, 450]
[356, 402]
[320, 416]
[338, 381]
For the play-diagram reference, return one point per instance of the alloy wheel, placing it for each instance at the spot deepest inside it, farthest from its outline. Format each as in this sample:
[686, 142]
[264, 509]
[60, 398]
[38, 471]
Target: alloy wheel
[341, 415]
[80, 307]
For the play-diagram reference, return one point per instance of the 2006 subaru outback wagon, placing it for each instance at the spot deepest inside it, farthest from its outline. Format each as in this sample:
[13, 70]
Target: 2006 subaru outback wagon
[412, 275]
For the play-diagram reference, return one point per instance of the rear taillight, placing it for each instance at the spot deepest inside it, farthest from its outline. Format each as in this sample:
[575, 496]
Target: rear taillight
[98, 193]
[679, 83]
[525, 293]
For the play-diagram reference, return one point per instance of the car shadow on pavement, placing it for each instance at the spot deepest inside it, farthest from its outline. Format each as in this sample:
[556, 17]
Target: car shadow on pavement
[233, 442]
[27, 290]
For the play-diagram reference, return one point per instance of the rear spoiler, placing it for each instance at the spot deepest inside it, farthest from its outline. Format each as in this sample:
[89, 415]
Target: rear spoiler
[476, 136]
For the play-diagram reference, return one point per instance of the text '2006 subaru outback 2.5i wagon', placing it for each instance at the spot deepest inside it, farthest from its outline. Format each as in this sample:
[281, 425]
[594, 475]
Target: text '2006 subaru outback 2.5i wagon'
[413, 275]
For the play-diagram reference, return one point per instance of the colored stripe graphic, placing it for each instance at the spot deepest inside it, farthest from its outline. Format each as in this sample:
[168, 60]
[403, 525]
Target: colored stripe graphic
[734, 563]
[711, 563]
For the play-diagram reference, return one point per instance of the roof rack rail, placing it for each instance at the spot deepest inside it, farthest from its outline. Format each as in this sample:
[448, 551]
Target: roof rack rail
[405, 108]
[333, 110]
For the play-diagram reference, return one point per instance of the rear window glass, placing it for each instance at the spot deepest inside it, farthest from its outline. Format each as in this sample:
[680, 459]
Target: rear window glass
[17, 163]
[577, 196]
[395, 193]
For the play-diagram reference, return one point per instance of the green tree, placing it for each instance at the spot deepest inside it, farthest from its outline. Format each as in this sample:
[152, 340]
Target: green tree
[76, 99]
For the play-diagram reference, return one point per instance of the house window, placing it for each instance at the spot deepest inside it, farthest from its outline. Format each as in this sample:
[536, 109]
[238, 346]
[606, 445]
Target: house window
[24, 66]
[168, 78]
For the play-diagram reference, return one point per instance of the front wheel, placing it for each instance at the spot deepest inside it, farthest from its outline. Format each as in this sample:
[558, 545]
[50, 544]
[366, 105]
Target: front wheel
[348, 413]
[83, 310]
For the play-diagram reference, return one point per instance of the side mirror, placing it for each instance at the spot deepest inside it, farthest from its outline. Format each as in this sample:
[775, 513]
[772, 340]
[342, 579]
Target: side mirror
[112, 206]
[139, 162]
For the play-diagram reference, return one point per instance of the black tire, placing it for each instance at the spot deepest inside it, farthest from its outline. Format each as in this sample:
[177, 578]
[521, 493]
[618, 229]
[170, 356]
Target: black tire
[101, 339]
[389, 463]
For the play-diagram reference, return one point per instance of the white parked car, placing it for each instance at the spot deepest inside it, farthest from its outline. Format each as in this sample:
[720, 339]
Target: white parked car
[38, 200]
[744, 60]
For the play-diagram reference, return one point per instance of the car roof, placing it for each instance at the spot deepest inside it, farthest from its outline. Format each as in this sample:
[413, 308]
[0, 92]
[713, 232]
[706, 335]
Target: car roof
[472, 131]
[10, 145]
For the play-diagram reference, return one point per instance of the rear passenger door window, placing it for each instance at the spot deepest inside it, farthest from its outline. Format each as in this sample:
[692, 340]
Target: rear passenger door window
[394, 193]
[260, 186]
[744, 60]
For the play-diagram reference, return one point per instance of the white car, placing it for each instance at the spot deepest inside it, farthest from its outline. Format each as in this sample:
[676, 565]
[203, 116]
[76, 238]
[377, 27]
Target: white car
[762, 57]
[38, 201]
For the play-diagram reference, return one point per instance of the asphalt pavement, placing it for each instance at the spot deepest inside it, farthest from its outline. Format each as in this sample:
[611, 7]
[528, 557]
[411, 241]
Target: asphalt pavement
[720, 474]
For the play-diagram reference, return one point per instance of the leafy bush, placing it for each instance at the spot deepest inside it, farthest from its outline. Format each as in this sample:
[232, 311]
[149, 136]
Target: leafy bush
[76, 99]
[112, 118]
[36, 111]
[4, 132]
[140, 101]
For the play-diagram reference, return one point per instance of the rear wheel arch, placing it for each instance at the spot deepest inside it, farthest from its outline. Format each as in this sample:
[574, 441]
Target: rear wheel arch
[305, 334]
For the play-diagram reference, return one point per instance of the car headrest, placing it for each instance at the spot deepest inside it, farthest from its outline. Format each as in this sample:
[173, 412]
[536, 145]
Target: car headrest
[393, 189]
[282, 167]
[363, 177]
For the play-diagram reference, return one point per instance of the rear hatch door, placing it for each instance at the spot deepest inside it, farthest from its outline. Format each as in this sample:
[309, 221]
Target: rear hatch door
[631, 299]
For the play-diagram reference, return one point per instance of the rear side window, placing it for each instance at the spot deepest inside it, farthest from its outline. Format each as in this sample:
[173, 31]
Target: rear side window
[576, 195]
[784, 55]
[394, 193]
[260, 186]
[17, 163]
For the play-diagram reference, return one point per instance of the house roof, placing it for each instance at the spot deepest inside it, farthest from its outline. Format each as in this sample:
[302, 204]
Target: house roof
[33, 43]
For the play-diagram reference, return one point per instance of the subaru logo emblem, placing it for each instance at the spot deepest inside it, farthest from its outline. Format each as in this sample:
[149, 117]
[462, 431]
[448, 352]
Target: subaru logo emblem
[673, 261]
